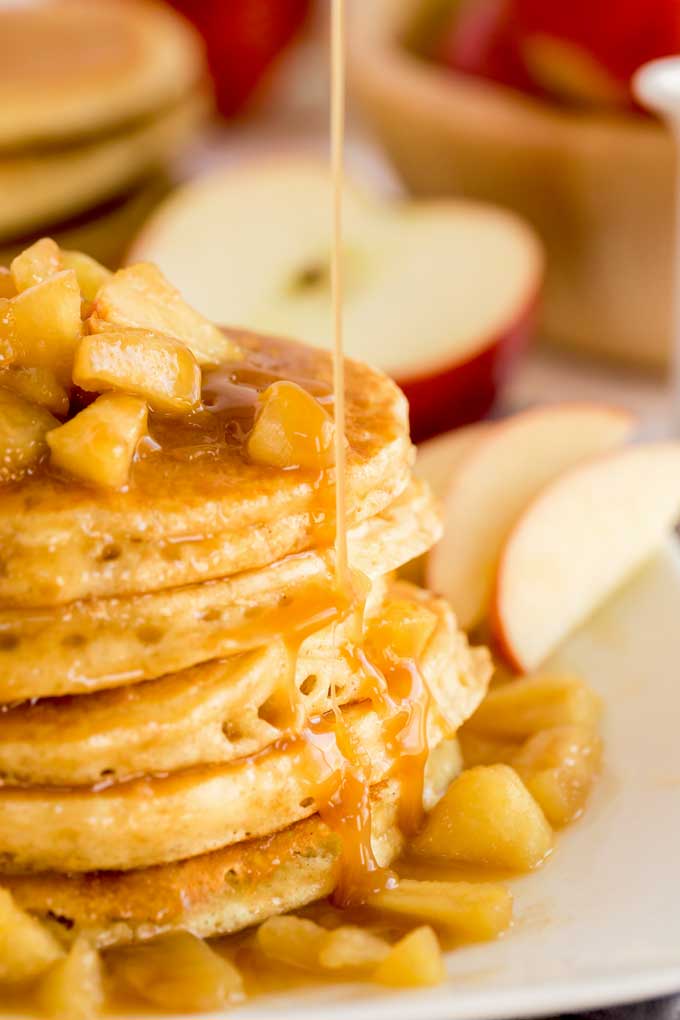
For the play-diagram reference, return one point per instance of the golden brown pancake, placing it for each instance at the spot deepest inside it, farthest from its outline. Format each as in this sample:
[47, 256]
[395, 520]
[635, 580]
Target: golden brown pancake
[197, 509]
[101, 643]
[45, 187]
[72, 68]
[154, 820]
[226, 890]
[217, 712]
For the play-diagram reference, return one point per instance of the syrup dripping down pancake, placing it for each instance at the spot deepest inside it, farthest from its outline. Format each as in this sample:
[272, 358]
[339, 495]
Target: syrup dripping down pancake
[226, 890]
[196, 508]
[158, 819]
[219, 711]
[100, 643]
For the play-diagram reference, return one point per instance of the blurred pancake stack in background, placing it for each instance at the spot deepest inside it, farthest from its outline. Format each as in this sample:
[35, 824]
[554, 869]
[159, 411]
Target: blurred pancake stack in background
[95, 99]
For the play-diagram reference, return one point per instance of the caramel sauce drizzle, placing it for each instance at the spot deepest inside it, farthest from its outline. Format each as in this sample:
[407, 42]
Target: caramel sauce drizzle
[338, 58]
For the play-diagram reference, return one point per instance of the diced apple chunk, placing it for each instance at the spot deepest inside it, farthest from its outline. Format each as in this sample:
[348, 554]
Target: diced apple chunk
[7, 286]
[23, 435]
[141, 297]
[73, 989]
[178, 972]
[292, 430]
[488, 817]
[294, 941]
[36, 264]
[558, 768]
[27, 948]
[98, 445]
[519, 709]
[466, 911]
[91, 275]
[403, 626]
[352, 948]
[161, 370]
[414, 962]
[47, 323]
[38, 386]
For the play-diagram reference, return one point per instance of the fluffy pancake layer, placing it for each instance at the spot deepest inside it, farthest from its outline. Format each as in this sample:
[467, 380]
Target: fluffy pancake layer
[226, 890]
[102, 643]
[196, 509]
[216, 712]
[164, 818]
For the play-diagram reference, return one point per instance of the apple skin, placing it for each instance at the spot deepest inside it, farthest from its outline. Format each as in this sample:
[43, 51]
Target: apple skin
[243, 38]
[481, 40]
[464, 392]
[490, 38]
[620, 34]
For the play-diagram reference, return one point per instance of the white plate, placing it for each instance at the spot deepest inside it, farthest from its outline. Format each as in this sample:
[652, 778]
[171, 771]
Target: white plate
[600, 924]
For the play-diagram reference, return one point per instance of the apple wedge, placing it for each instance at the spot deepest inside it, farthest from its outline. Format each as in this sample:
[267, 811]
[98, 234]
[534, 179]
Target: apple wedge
[582, 536]
[491, 485]
[439, 294]
[438, 458]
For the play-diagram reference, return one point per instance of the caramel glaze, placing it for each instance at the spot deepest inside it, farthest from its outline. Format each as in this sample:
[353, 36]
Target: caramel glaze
[230, 395]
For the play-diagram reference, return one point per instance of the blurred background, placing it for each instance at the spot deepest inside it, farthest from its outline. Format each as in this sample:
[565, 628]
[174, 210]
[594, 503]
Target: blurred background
[509, 209]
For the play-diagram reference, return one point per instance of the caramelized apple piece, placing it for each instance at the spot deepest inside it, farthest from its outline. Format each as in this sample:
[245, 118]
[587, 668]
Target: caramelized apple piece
[99, 443]
[294, 941]
[8, 333]
[161, 370]
[36, 264]
[91, 275]
[414, 962]
[487, 816]
[38, 386]
[403, 626]
[7, 285]
[292, 430]
[558, 768]
[47, 323]
[23, 435]
[73, 989]
[467, 911]
[519, 709]
[27, 948]
[141, 297]
[178, 972]
[478, 749]
[352, 948]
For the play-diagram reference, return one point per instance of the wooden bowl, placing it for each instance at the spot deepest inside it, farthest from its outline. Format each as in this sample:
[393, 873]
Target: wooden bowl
[597, 187]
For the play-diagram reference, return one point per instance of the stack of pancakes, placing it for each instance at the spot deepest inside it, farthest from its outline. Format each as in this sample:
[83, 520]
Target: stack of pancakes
[201, 729]
[95, 97]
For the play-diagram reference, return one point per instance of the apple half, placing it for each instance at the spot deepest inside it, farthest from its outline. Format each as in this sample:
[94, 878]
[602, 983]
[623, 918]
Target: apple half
[494, 480]
[439, 294]
[576, 543]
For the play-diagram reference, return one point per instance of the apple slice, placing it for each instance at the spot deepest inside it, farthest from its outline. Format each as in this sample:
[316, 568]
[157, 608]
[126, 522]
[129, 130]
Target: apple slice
[491, 486]
[437, 459]
[577, 542]
[439, 294]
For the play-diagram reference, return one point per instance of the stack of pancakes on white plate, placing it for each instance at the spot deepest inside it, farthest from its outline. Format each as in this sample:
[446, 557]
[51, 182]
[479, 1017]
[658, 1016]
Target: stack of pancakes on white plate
[201, 728]
[95, 99]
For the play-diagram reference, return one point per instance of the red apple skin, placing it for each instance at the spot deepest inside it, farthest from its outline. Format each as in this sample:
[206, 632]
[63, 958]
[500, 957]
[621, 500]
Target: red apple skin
[243, 38]
[463, 392]
[481, 40]
[620, 34]
[487, 37]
